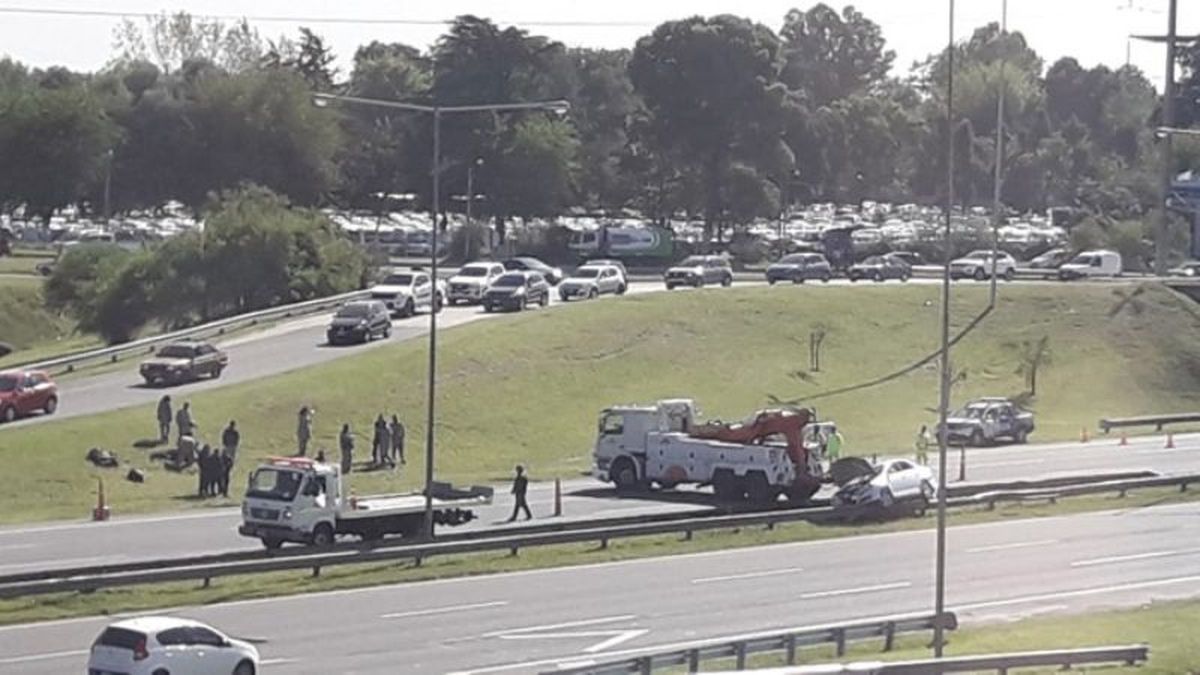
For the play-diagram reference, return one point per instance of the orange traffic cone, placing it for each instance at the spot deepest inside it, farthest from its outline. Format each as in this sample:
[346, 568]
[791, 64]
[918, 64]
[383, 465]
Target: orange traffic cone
[100, 513]
[1124, 439]
[1083, 435]
[1170, 441]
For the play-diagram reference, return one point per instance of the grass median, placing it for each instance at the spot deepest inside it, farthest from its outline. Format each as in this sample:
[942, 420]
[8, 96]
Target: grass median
[226, 589]
[527, 388]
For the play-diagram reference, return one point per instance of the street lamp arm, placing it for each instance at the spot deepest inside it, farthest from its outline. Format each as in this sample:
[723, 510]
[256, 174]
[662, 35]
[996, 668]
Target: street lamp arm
[557, 106]
[323, 99]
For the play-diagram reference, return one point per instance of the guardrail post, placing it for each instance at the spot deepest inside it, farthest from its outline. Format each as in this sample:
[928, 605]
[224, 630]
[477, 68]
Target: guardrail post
[889, 636]
[513, 551]
[1183, 486]
[687, 535]
[112, 359]
[770, 525]
[604, 543]
[790, 646]
[962, 463]
[207, 582]
[316, 571]
[740, 654]
[417, 561]
[646, 665]
[839, 638]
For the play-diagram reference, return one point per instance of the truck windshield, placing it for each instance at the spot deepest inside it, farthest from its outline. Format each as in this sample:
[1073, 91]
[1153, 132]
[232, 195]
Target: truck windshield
[277, 484]
[612, 424]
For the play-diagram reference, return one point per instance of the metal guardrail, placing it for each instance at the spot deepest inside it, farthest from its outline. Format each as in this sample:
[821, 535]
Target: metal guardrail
[1157, 421]
[218, 327]
[787, 642]
[147, 572]
[1129, 655]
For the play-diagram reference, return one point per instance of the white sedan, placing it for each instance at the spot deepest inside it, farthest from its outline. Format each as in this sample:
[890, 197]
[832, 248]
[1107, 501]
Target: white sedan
[884, 486]
[160, 645]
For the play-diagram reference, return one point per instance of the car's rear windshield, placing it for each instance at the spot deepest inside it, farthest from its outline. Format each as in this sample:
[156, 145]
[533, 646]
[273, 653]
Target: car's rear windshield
[586, 273]
[176, 352]
[352, 311]
[398, 280]
[121, 637]
[8, 383]
[473, 271]
[692, 260]
[277, 484]
[511, 280]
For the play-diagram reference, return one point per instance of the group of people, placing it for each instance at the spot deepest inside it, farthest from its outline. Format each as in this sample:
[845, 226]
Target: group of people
[215, 464]
[387, 444]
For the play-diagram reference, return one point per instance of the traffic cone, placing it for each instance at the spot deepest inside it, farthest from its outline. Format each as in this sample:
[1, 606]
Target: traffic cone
[1083, 435]
[101, 512]
[1170, 441]
[557, 497]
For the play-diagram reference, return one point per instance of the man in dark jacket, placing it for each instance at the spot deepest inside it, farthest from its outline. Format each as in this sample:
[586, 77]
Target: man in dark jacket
[230, 439]
[519, 488]
[346, 443]
[381, 445]
[204, 464]
[397, 440]
[165, 416]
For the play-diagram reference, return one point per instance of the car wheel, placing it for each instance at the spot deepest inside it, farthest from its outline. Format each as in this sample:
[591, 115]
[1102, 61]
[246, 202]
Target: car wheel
[770, 282]
[160, 671]
[853, 279]
[670, 287]
[621, 289]
[545, 301]
[409, 309]
[51, 405]
[487, 307]
[977, 438]
[1021, 436]
[387, 330]
[1009, 274]
[727, 281]
[886, 499]
[980, 274]
[593, 294]
[8, 414]
[322, 537]
[216, 373]
[798, 280]
[438, 302]
[878, 277]
[826, 277]
[699, 283]
[244, 668]
[905, 277]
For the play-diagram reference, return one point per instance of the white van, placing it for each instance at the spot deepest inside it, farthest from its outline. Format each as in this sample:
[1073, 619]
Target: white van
[1091, 264]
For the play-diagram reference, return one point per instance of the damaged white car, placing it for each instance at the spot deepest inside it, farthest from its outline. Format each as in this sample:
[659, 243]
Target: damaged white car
[892, 486]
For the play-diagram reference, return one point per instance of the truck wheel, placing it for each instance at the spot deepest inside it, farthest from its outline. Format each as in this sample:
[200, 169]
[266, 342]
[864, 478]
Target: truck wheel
[727, 486]
[977, 439]
[322, 536]
[545, 301]
[759, 489]
[408, 310]
[624, 475]
[272, 543]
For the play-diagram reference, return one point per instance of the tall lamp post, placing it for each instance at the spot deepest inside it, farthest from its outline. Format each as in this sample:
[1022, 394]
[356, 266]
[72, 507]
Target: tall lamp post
[559, 107]
[470, 201]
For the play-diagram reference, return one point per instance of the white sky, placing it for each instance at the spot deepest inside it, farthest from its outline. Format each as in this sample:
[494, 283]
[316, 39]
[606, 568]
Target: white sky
[1093, 31]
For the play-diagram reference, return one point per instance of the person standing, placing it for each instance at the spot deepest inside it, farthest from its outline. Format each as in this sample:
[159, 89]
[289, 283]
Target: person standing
[833, 445]
[226, 468]
[346, 442]
[204, 467]
[378, 447]
[385, 443]
[520, 487]
[922, 445]
[184, 422]
[397, 440]
[230, 439]
[304, 421]
[165, 415]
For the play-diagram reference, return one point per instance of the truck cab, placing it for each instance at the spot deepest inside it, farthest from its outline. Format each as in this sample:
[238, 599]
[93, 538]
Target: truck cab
[292, 499]
[620, 452]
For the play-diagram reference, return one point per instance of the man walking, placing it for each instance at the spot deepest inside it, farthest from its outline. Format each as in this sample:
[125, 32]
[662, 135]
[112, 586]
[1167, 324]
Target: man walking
[922, 445]
[226, 468]
[519, 487]
[204, 465]
[230, 439]
[185, 425]
[397, 441]
[164, 418]
[381, 442]
[346, 442]
[304, 421]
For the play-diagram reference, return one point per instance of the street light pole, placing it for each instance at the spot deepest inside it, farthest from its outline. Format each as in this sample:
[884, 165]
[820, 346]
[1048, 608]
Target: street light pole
[1168, 119]
[433, 313]
[467, 233]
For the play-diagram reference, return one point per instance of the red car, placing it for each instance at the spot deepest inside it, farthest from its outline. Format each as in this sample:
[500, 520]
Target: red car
[25, 391]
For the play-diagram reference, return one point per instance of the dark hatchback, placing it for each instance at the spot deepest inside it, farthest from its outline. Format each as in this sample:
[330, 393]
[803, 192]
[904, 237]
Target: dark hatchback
[798, 267]
[517, 290]
[880, 268]
[359, 322]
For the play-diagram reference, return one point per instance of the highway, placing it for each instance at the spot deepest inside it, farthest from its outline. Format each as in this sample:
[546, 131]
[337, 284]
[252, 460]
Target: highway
[535, 620]
[125, 539]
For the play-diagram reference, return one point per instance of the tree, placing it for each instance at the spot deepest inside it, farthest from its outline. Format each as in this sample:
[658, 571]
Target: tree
[1032, 355]
[602, 103]
[539, 163]
[829, 57]
[81, 279]
[171, 40]
[311, 58]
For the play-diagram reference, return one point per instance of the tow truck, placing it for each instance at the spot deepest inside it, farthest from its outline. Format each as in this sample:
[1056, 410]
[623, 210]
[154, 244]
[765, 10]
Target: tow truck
[298, 499]
[665, 445]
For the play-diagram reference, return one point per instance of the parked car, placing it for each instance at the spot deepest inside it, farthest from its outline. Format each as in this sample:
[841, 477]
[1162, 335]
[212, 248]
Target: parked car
[600, 262]
[23, 392]
[698, 270]
[1092, 264]
[184, 361]
[1050, 260]
[986, 420]
[406, 292]
[551, 275]
[1190, 268]
[978, 265]
[879, 268]
[359, 321]
[472, 281]
[157, 645]
[883, 487]
[592, 281]
[516, 291]
[797, 267]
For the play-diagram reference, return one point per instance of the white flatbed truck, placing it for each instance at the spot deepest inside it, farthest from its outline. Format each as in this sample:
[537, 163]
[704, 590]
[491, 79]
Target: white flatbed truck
[297, 499]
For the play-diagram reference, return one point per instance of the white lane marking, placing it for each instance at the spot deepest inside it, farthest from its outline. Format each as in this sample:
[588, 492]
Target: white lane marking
[276, 662]
[43, 657]
[860, 589]
[1006, 547]
[15, 547]
[1101, 590]
[556, 626]
[623, 636]
[443, 610]
[1126, 558]
[747, 575]
[1015, 462]
[66, 562]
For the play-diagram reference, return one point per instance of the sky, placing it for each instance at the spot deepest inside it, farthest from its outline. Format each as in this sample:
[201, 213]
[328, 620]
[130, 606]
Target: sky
[1093, 31]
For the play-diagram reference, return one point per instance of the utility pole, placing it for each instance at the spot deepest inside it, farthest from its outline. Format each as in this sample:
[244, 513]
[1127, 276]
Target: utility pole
[1168, 120]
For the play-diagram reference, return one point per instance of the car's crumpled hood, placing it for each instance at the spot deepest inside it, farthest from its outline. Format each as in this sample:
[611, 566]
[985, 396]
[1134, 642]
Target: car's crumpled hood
[852, 471]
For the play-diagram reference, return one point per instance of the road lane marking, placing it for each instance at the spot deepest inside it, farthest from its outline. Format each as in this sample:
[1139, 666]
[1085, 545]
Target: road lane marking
[66, 563]
[15, 547]
[1128, 558]
[748, 575]
[860, 589]
[443, 610]
[622, 637]
[1006, 547]
[1101, 590]
[1015, 462]
[556, 626]
[43, 657]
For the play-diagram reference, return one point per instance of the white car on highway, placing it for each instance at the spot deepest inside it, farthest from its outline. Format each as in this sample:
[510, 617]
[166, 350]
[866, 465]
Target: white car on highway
[883, 486]
[472, 281]
[406, 292]
[161, 645]
[978, 265]
[591, 281]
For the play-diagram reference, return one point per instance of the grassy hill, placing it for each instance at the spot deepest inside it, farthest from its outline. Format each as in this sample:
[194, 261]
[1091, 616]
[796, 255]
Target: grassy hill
[28, 327]
[527, 388]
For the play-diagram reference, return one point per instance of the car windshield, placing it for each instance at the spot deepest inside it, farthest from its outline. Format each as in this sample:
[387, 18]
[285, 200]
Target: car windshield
[8, 383]
[794, 259]
[398, 280]
[511, 280]
[276, 484]
[586, 273]
[873, 260]
[473, 272]
[984, 255]
[176, 352]
[1081, 260]
[692, 261]
[352, 311]
[973, 412]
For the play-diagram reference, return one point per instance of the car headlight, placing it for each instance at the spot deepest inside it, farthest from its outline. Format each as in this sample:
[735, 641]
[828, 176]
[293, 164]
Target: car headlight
[287, 514]
[519, 291]
[362, 323]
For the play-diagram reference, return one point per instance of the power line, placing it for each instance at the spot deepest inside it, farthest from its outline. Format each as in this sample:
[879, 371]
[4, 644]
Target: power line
[114, 14]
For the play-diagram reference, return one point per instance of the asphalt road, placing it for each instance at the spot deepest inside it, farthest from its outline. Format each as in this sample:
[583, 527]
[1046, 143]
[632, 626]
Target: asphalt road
[125, 539]
[536, 620]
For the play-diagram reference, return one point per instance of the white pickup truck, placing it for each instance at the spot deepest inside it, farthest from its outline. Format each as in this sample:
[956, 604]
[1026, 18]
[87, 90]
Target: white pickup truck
[301, 500]
[405, 293]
